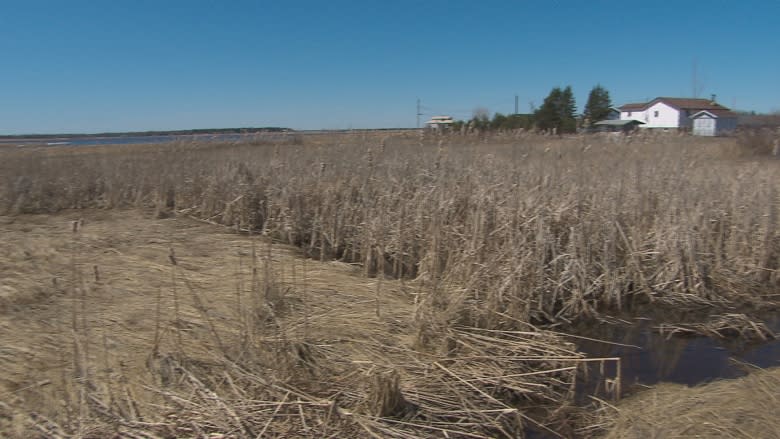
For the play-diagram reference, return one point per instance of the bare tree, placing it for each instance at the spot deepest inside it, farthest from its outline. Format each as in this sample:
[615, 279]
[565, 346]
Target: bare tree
[480, 113]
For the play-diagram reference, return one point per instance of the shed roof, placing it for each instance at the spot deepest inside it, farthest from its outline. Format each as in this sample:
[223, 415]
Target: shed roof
[619, 123]
[716, 113]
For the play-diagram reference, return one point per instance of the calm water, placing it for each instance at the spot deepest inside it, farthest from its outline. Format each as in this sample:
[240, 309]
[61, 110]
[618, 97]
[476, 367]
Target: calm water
[128, 140]
[648, 357]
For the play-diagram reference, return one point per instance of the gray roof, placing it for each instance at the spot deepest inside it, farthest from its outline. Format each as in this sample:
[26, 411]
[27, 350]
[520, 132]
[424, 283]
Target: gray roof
[618, 123]
[715, 113]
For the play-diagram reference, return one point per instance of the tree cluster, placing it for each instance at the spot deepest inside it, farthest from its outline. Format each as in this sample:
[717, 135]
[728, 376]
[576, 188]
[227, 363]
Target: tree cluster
[558, 113]
[482, 121]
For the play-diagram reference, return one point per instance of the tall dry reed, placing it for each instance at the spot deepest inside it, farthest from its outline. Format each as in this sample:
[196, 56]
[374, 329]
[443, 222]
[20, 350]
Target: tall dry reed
[544, 229]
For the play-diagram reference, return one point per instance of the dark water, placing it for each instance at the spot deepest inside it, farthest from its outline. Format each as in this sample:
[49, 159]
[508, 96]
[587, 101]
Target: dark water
[135, 140]
[648, 357]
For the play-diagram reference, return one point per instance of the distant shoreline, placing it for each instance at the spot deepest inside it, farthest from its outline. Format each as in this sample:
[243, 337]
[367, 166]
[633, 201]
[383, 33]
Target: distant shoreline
[230, 135]
[51, 138]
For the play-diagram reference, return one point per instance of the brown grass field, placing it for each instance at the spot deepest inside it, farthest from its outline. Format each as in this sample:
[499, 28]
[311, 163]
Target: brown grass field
[363, 285]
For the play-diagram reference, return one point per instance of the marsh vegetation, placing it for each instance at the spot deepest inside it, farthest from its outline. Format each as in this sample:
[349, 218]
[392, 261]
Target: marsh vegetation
[363, 285]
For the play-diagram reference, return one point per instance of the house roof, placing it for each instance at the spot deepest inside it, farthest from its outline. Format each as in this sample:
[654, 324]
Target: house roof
[632, 107]
[677, 103]
[716, 113]
[689, 104]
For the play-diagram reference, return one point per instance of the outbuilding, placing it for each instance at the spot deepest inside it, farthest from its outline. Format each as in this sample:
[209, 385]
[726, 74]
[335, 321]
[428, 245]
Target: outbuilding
[713, 122]
[614, 126]
[439, 123]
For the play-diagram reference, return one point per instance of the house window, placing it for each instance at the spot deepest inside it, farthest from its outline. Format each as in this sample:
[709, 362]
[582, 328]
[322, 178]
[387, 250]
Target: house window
[629, 114]
[655, 114]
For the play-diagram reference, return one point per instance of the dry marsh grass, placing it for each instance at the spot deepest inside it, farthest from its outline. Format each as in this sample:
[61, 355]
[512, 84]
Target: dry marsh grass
[432, 263]
[148, 327]
[549, 230]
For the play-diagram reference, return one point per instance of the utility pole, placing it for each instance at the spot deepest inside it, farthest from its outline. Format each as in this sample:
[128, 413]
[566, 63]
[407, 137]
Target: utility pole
[694, 84]
[516, 103]
[418, 113]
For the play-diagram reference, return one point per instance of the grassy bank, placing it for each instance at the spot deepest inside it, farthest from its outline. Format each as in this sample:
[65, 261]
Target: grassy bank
[742, 408]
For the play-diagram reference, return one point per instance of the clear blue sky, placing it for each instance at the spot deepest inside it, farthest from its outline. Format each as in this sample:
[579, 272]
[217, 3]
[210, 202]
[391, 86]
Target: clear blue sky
[94, 66]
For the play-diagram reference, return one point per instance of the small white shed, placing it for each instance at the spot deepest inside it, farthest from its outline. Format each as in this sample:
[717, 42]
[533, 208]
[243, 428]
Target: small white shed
[713, 122]
[439, 123]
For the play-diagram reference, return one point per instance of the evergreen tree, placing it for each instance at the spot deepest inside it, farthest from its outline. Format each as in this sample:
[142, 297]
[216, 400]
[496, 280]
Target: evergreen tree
[568, 111]
[598, 105]
[558, 111]
[547, 116]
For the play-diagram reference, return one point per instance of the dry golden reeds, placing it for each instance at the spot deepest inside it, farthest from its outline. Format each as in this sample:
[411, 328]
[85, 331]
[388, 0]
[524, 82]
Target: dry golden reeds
[722, 326]
[551, 229]
[317, 361]
[466, 249]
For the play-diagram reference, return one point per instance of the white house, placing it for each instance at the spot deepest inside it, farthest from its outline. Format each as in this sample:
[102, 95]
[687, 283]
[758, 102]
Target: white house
[678, 113]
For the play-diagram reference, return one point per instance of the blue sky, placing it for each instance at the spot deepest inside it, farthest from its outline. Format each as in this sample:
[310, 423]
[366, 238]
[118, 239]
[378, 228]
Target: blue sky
[120, 65]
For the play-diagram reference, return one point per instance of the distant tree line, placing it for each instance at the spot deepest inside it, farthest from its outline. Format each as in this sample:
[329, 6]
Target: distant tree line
[498, 122]
[558, 113]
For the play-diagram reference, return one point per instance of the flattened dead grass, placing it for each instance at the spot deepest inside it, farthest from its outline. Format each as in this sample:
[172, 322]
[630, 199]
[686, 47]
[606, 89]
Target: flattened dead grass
[740, 408]
[145, 327]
